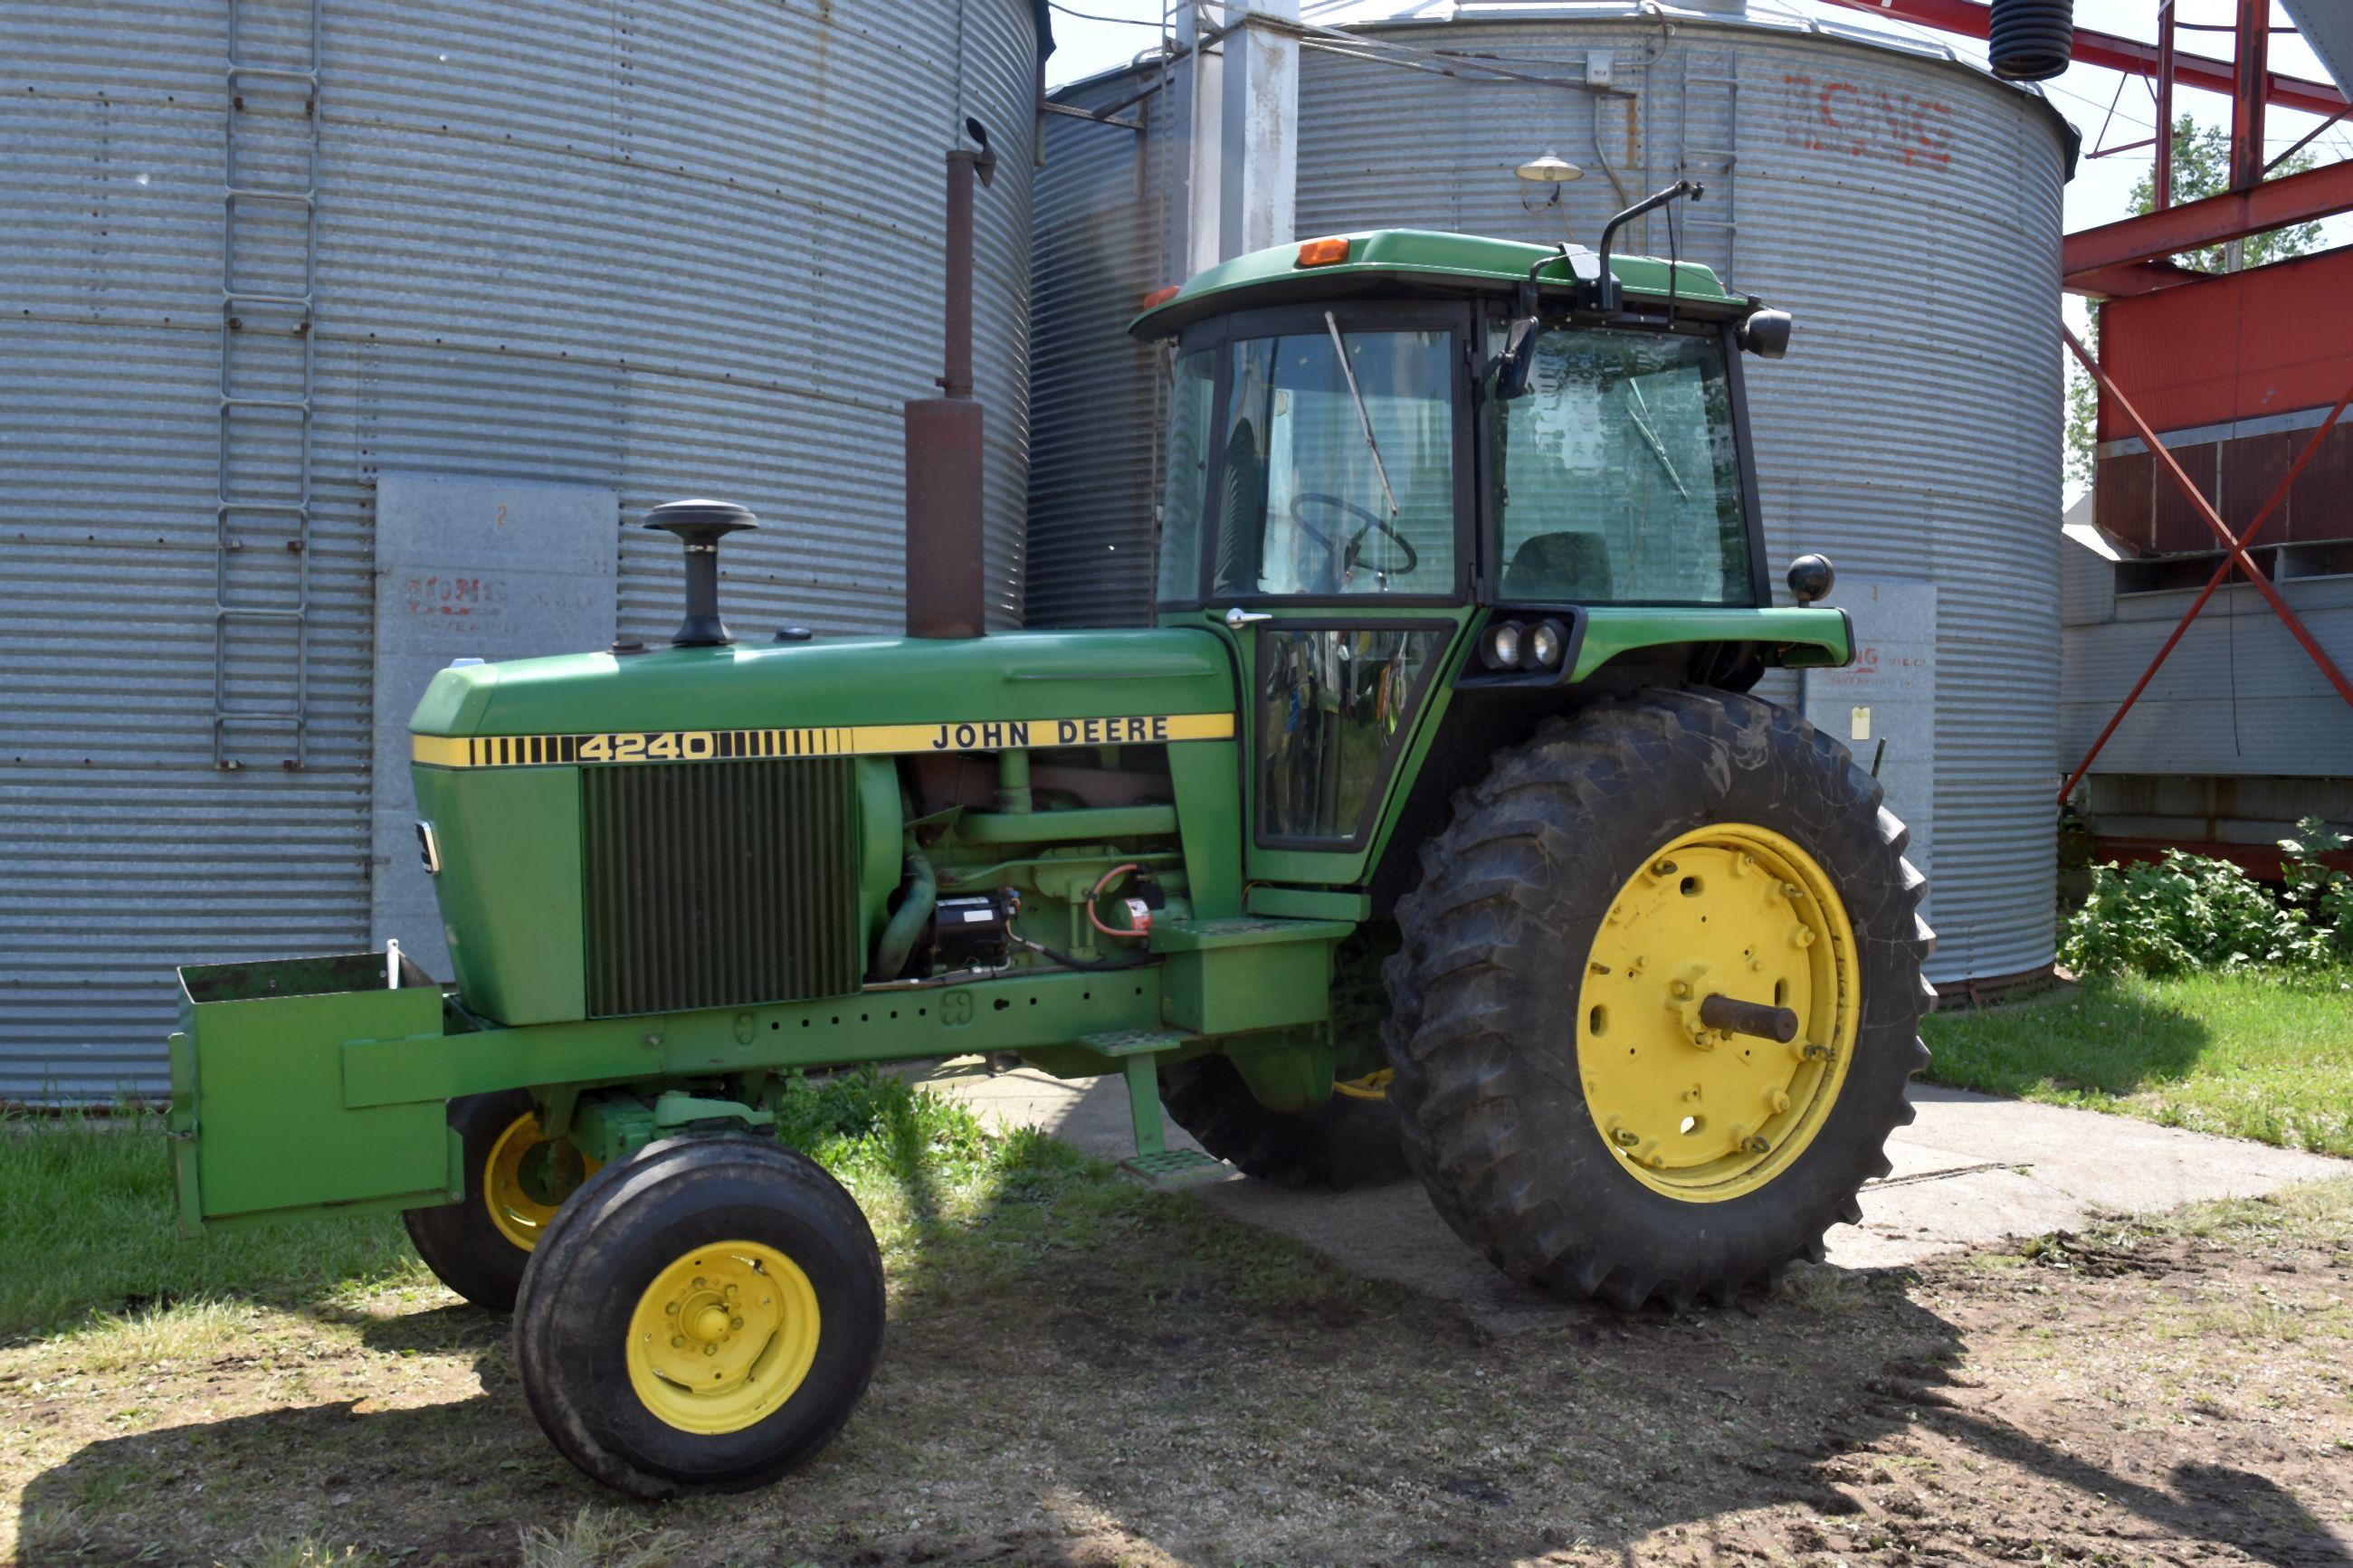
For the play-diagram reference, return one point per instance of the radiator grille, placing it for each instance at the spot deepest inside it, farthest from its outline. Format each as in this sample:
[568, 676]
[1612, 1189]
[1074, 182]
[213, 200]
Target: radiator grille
[718, 884]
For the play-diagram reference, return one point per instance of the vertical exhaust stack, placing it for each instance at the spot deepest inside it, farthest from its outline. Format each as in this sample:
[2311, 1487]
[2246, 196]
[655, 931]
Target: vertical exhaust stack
[947, 581]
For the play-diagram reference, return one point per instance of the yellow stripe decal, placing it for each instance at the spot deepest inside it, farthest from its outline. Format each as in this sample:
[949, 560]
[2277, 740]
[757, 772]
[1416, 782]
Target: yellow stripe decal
[838, 740]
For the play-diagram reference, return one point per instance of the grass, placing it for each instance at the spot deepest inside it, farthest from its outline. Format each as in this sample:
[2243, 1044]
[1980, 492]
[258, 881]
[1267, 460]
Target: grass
[89, 1244]
[2252, 1054]
[86, 1226]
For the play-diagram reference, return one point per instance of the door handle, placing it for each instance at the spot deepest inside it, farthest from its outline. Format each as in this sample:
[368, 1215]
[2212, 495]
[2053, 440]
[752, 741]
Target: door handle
[1236, 619]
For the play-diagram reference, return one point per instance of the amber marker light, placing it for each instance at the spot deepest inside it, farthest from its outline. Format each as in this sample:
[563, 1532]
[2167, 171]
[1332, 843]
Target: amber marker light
[1160, 297]
[1322, 252]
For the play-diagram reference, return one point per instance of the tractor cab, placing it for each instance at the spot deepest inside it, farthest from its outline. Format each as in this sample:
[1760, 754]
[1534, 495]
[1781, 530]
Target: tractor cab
[1402, 465]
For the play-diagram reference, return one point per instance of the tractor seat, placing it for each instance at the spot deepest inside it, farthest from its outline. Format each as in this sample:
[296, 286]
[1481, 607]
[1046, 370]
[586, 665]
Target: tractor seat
[1572, 564]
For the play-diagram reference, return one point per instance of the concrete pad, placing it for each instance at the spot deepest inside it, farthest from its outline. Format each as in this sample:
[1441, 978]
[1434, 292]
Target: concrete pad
[1974, 1169]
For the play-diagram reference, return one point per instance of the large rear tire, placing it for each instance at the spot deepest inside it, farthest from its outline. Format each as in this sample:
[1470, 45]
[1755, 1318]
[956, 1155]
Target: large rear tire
[1571, 1115]
[700, 1317]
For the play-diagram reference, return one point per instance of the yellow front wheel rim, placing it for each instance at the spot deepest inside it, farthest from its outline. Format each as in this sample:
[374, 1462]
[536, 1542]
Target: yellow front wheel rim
[520, 1214]
[723, 1336]
[1372, 1086]
[1696, 1113]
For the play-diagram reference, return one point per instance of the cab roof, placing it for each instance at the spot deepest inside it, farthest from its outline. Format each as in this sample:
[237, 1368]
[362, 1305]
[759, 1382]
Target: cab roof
[1390, 262]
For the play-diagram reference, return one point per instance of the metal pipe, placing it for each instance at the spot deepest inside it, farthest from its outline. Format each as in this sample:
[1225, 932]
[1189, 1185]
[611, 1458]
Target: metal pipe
[1090, 824]
[962, 162]
[2247, 94]
[945, 565]
[1606, 295]
[2161, 179]
[899, 936]
[1013, 783]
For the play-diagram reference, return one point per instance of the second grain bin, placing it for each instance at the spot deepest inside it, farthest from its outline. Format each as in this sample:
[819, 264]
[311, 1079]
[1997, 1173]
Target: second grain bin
[1902, 202]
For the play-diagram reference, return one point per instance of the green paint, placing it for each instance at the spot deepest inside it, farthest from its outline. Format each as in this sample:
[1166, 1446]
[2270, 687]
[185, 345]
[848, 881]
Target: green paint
[1309, 904]
[1424, 257]
[1067, 826]
[510, 886]
[1232, 976]
[260, 1115]
[1290, 1071]
[835, 681]
[1792, 638]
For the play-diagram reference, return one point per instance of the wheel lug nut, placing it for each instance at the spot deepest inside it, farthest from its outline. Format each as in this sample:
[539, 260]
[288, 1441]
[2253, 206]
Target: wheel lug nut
[710, 1350]
[736, 1322]
[1664, 868]
[701, 1283]
[1778, 1102]
[1680, 990]
[671, 1308]
[678, 1341]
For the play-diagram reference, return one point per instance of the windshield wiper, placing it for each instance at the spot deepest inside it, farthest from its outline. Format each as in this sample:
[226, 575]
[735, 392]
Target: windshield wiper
[1364, 414]
[1640, 405]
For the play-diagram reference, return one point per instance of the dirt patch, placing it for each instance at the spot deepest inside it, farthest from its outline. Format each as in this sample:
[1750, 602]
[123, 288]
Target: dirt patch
[2177, 1392]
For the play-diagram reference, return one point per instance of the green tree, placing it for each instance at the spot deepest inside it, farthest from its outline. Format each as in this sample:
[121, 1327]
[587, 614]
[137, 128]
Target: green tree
[2202, 168]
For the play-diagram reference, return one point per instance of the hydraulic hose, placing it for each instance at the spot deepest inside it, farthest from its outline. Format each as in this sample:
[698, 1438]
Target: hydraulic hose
[906, 926]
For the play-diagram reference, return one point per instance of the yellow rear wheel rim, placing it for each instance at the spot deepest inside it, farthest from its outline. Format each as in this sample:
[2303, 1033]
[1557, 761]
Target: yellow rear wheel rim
[721, 1337]
[1696, 1113]
[1372, 1086]
[519, 1215]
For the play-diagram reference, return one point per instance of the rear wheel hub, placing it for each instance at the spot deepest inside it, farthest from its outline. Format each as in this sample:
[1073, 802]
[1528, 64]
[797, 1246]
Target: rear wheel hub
[1699, 1113]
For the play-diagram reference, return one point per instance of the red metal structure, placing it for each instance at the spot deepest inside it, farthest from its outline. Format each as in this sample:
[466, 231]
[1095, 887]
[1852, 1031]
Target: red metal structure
[2282, 332]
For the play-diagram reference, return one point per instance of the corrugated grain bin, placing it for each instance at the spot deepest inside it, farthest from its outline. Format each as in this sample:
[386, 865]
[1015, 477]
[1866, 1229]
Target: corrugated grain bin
[1903, 205]
[368, 349]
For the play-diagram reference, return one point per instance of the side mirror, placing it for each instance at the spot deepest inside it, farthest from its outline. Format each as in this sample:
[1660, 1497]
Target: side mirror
[1516, 371]
[1811, 577]
[1766, 333]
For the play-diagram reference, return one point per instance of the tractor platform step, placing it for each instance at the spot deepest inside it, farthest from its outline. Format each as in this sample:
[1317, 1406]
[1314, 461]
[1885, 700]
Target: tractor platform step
[1176, 1167]
[1134, 1042]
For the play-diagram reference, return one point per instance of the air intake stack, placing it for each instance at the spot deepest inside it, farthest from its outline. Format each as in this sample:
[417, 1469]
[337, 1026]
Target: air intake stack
[699, 526]
[947, 579]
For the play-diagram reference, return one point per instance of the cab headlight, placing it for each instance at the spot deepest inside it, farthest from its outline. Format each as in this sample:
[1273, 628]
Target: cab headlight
[1501, 648]
[1547, 641]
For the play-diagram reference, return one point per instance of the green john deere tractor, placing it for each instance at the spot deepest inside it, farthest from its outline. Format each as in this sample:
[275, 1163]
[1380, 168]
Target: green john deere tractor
[1431, 831]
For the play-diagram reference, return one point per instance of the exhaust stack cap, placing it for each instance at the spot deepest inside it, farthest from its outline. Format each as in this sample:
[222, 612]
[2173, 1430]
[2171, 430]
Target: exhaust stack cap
[700, 525]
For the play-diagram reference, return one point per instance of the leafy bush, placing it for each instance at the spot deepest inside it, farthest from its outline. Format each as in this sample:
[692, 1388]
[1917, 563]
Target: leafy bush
[2321, 891]
[2189, 913]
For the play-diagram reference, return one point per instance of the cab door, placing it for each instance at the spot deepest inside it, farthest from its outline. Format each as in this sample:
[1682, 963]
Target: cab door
[1337, 558]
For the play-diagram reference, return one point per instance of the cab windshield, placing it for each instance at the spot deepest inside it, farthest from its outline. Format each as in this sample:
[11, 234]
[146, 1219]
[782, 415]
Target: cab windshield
[1334, 476]
[1616, 478]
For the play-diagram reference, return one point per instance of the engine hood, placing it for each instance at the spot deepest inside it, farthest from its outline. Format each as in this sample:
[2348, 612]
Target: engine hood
[899, 694]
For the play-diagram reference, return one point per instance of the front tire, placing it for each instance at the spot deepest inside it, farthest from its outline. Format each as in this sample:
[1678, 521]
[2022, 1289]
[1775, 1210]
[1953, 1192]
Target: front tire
[701, 1317]
[1570, 1114]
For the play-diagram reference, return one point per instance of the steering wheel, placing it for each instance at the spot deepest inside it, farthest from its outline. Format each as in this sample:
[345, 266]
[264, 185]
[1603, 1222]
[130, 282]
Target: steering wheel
[1374, 523]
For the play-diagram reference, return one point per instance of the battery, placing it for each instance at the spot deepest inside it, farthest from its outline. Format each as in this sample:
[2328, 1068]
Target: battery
[976, 931]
